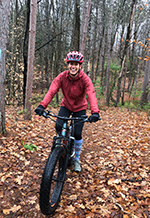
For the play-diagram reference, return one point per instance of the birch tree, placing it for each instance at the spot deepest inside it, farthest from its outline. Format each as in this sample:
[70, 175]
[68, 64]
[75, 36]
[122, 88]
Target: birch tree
[31, 50]
[4, 29]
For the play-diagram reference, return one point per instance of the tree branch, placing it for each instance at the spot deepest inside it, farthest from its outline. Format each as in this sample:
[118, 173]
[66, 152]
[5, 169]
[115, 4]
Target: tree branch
[48, 41]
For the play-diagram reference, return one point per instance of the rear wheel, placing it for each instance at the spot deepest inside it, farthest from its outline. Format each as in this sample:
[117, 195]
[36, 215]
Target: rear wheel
[52, 181]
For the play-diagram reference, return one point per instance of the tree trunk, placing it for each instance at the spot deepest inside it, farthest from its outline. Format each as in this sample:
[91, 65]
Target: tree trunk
[31, 50]
[103, 83]
[94, 45]
[83, 14]
[85, 27]
[86, 63]
[101, 40]
[108, 52]
[125, 52]
[25, 51]
[119, 83]
[4, 29]
[75, 41]
[47, 47]
[125, 76]
[146, 86]
[131, 61]
[137, 77]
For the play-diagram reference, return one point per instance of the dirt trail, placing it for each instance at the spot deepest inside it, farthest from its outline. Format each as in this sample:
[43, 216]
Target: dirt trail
[115, 177]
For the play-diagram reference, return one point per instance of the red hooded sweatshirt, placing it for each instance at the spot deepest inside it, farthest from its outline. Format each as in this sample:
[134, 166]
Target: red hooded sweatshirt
[74, 91]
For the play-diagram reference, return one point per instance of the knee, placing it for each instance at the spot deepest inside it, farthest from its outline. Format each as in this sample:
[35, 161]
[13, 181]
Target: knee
[77, 136]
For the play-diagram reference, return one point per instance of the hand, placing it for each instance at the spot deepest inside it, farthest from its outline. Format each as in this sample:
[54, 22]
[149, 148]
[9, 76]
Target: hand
[94, 117]
[39, 110]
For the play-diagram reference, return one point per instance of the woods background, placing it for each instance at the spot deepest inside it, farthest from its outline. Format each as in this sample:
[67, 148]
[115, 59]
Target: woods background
[123, 30]
[114, 37]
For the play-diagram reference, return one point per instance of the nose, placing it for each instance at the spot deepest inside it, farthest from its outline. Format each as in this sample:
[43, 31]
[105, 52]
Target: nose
[73, 66]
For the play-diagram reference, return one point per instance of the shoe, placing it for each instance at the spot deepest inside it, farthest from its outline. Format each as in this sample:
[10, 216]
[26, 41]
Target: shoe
[77, 167]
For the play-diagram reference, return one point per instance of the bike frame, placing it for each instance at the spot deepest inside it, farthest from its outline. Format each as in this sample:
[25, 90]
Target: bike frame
[55, 169]
[66, 137]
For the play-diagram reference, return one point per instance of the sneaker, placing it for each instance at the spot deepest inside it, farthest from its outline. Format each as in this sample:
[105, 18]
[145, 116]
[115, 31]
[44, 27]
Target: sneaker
[77, 167]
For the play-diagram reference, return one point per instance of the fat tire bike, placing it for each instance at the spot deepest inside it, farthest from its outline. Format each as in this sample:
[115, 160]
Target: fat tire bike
[61, 156]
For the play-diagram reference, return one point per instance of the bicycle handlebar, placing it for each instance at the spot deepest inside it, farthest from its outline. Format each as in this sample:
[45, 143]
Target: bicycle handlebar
[48, 113]
[83, 118]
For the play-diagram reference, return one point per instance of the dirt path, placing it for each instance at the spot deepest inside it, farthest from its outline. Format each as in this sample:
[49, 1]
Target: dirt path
[115, 177]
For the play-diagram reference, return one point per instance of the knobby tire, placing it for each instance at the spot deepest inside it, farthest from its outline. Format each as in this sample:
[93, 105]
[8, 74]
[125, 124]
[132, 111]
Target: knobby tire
[52, 181]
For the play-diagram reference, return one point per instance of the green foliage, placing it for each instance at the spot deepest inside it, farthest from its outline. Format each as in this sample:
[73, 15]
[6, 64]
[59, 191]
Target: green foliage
[146, 107]
[22, 111]
[115, 67]
[135, 105]
[30, 147]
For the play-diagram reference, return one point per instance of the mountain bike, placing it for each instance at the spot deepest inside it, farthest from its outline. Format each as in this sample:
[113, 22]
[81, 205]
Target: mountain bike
[61, 156]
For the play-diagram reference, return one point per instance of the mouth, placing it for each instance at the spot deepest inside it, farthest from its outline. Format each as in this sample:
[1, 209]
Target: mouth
[73, 70]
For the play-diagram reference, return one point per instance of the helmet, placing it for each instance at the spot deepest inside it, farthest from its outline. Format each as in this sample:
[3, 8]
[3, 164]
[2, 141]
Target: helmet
[75, 56]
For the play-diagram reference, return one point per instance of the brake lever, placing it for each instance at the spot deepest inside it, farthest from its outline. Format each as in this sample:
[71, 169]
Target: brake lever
[84, 116]
[45, 114]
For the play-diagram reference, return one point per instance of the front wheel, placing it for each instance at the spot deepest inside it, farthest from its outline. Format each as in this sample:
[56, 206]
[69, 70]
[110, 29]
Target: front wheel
[52, 181]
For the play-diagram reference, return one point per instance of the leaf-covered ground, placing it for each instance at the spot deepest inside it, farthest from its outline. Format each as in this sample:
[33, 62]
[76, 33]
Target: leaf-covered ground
[115, 177]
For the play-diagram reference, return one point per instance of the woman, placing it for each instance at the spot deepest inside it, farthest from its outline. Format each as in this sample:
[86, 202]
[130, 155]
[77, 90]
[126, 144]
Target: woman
[75, 84]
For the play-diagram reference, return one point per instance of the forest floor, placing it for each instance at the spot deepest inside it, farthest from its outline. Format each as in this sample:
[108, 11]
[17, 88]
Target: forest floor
[115, 177]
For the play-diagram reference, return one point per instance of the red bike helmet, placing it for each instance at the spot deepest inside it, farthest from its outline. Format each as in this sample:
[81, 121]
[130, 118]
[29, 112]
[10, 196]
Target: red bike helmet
[75, 56]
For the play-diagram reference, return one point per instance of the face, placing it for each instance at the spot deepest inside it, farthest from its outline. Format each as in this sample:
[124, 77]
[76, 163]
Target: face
[73, 68]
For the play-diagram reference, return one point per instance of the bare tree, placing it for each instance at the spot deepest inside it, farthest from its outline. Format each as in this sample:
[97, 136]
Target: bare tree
[25, 49]
[128, 48]
[108, 52]
[146, 85]
[83, 14]
[75, 41]
[85, 27]
[31, 50]
[4, 29]
[125, 52]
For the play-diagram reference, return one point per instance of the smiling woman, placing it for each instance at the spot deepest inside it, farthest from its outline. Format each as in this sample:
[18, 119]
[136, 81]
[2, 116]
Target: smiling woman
[73, 68]
[75, 84]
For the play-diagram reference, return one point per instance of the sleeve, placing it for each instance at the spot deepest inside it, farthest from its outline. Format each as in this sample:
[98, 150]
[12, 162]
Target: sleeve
[54, 88]
[90, 92]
